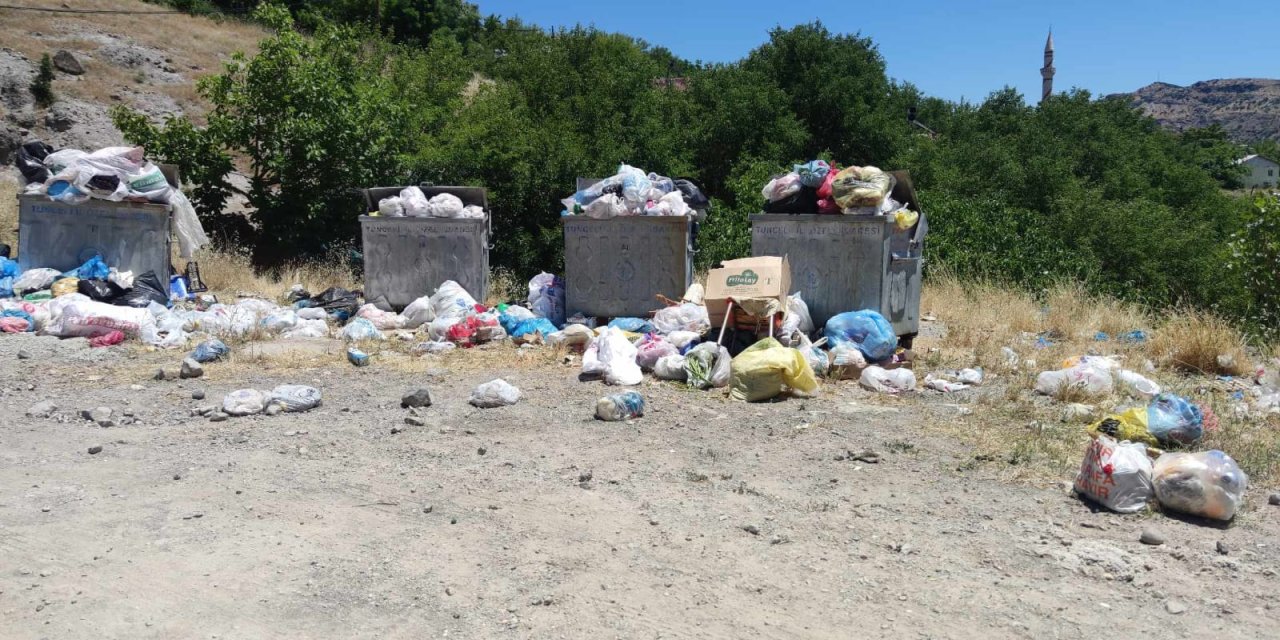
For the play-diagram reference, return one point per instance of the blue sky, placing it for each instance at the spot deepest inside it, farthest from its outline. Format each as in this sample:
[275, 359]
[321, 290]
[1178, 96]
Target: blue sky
[953, 49]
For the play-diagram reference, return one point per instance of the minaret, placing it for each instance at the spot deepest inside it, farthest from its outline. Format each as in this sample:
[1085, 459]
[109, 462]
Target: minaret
[1046, 72]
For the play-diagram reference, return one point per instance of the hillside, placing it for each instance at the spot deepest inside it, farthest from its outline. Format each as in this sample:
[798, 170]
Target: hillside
[149, 61]
[1248, 108]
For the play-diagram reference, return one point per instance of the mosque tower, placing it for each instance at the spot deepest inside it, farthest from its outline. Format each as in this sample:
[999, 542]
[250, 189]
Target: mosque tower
[1046, 72]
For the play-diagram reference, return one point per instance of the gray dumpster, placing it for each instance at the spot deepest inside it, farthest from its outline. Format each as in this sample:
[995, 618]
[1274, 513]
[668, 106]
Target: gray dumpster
[407, 258]
[614, 267]
[129, 236]
[848, 263]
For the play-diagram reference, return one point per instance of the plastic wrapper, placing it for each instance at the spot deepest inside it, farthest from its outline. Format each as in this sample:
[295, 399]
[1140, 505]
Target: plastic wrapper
[1116, 475]
[1208, 484]
[495, 393]
[765, 369]
[867, 330]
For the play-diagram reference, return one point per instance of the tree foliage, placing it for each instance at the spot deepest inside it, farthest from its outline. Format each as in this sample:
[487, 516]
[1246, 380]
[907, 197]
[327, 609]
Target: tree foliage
[1075, 187]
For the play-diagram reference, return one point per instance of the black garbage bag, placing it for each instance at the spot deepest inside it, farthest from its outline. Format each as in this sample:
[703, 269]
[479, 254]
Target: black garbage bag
[100, 290]
[337, 301]
[103, 184]
[4, 250]
[693, 196]
[803, 201]
[146, 289]
[30, 161]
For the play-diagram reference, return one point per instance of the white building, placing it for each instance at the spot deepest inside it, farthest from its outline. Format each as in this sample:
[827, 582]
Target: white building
[1264, 173]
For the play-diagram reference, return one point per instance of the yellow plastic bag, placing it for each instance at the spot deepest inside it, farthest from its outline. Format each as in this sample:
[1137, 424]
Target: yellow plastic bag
[65, 286]
[1130, 425]
[761, 372]
[857, 187]
[905, 219]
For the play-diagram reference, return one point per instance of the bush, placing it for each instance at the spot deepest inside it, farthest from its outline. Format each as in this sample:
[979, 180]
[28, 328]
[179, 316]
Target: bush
[42, 86]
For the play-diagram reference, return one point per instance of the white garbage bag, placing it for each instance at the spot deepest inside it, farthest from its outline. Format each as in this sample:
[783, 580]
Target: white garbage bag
[670, 368]
[35, 280]
[383, 320]
[418, 313]
[244, 402]
[307, 328]
[392, 207]
[295, 397]
[451, 301]
[618, 357]
[312, 313]
[1088, 378]
[546, 297]
[444, 205]
[884, 380]
[414, 202]
[90, 318]
[279, 321]
[495, 393]
[1116, 475]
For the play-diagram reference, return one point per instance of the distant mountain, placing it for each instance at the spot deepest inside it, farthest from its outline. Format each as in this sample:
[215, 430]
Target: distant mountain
[1248, 108]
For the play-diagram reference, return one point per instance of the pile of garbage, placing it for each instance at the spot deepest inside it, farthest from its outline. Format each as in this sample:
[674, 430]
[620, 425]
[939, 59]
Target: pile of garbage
[113, 173]
[818, 186]
[413, 203]
[632, 192]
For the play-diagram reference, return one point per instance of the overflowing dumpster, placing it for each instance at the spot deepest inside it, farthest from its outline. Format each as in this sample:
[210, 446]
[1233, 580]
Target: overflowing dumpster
[613, 267]
[407, 257]
[131, 236]
[850, 262]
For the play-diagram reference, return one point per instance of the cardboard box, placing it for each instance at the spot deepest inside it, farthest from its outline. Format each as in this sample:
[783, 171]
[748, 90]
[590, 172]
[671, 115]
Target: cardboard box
[762, 277]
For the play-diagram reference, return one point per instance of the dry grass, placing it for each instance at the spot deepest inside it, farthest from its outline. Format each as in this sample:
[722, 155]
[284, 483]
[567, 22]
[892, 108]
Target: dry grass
[9, 210]
[229, 274]
[194, 47]
[1021, 432]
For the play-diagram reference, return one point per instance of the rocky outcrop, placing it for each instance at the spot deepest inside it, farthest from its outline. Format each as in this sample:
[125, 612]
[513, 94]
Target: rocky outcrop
[65, 62]
[1248, 108]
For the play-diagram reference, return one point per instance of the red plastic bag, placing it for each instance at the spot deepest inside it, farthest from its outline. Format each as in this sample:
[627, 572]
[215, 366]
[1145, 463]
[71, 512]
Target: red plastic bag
[824, 190]
[107, 339]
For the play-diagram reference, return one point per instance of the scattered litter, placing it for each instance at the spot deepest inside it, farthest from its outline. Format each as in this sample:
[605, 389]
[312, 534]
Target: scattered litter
[620, 406]
[210, 351]
[495, 393]
[891, 381]
[295, 397]
[244, 402]
[357, 357]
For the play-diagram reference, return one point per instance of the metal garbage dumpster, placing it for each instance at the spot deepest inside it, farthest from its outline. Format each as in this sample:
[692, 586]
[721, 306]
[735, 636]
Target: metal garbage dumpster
[614, 267]
[848, 263]
[406, 258]
[130, 236]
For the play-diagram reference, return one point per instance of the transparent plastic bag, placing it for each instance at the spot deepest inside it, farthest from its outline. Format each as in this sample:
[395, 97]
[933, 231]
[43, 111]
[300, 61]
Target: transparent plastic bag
[495, 393]
[244, 402]
[670, 368]
[890, 381]
[651, 348]
[682, 317]
[1088, 378]
[708, 366]
[1208, 484]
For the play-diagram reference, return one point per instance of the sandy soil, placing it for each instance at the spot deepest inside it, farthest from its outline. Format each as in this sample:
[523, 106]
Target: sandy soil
[704, 519]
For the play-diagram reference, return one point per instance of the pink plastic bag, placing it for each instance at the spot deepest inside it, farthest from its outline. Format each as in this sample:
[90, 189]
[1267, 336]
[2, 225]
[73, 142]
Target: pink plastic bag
[107, 339]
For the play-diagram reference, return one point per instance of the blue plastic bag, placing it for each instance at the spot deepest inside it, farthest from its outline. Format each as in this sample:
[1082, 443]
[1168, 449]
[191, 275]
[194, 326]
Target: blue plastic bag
[866, 330]
[812, 173]
[93, 269]
[9, 268]
[1172, 418]
[523, 328]
[210, 350]
[6, 287]
[632, 325]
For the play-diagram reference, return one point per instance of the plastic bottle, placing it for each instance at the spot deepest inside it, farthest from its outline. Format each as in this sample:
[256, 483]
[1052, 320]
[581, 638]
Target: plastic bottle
[620, 406]
[1137, 385]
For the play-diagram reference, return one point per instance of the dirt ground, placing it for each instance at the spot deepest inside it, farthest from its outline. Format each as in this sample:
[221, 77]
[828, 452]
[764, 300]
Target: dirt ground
[704, 519]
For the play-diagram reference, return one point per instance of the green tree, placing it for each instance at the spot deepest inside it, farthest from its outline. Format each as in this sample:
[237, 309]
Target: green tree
[42, 85]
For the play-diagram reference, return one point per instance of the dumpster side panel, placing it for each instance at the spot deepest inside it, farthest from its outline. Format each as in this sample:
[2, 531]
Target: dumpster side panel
[837, 262]
[129, 236]
[615, 267]
[407, 258]
[902, 308]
